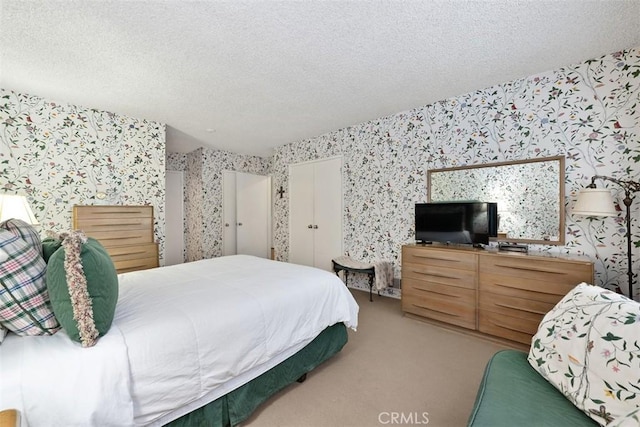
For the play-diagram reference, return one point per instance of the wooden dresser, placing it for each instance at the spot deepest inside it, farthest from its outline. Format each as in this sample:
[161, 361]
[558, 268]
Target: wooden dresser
[502, 294]
[126, 232]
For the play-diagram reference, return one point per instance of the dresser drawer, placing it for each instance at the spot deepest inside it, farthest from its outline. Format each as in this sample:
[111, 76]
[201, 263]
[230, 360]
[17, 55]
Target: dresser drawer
[127, 265]
[440, 275]
[517, 329]
[134, 257]
[120, 238]
[95, 212]
[513, 306]
[103, 225]
[529, 289]
[545, 270]
[451, 309]
[457, 259]
[420, 287]
[146, 250]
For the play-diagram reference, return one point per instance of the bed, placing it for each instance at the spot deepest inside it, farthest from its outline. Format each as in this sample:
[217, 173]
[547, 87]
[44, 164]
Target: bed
[208, 340]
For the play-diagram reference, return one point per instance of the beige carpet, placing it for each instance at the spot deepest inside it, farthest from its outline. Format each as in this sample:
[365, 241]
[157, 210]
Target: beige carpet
[393, 369]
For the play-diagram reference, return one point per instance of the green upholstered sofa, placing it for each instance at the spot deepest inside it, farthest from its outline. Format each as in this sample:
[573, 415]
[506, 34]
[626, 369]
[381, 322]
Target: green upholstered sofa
[512, 393]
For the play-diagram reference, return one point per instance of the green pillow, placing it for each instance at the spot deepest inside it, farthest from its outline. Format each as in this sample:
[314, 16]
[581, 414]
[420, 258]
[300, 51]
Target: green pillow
[94, 316]
[49, 247]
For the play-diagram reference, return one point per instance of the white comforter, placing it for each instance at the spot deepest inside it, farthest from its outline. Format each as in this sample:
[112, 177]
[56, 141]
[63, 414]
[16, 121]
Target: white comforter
[182, 336]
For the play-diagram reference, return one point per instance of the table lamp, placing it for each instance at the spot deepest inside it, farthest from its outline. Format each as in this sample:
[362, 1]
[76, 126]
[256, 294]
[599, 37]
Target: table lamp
[17, 207]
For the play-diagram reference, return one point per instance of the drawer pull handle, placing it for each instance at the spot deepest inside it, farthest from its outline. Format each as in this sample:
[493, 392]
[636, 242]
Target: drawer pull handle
[122, 238]
[437, 311]
[520, 308]
[117, 225]
[446, 276]
[435, 257]
[431, 291]
[511, 328]
[537, 269]
[132, 253]
[129, 212]
[538, 291]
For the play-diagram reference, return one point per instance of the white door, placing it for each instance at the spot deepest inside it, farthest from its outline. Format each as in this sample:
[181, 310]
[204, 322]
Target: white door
[301, 219]
[229, 213]
[253, 203]
[174, 217]
[315, 216]
[327, 212]
[246, 214]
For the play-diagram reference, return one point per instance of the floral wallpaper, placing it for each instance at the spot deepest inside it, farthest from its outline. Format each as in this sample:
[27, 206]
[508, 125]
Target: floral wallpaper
[176, 162]
[587, 112]
[61, 155]
[203, 195]
[194, 196]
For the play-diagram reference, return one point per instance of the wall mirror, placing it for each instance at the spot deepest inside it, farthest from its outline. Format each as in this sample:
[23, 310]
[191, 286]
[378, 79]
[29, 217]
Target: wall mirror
[529, 193]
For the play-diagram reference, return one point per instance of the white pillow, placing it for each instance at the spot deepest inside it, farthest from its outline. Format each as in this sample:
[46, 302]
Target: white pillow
[588, 347]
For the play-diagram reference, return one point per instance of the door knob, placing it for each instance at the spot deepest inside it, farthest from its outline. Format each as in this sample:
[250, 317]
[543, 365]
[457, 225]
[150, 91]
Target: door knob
[226, 224]
[309, 226]
[240, 224]
[315, 227]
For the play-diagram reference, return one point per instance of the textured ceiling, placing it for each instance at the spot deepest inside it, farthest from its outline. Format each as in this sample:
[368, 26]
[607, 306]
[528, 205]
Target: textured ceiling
[246, 76]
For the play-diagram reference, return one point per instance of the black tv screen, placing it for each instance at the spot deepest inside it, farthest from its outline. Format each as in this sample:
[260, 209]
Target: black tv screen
[456, 222]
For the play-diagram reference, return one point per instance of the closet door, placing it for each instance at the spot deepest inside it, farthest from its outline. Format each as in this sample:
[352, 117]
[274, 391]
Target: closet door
[228, 213]
[315, 215]
[327, 212]
[301, 195]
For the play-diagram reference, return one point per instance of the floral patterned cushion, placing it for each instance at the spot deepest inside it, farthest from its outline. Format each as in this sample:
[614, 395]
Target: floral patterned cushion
[632, 419]
[588, 347]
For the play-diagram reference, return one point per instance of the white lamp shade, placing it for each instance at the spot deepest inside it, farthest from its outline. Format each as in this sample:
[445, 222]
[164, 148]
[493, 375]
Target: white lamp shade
[14, 206]
[595, 202]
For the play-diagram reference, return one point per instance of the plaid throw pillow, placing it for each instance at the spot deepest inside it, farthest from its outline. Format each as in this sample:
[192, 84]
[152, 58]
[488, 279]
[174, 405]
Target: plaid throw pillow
[24, 301]
[21, 229]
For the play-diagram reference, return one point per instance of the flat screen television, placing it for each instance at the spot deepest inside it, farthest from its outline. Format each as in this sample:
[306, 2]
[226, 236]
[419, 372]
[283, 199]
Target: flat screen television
[456, 222]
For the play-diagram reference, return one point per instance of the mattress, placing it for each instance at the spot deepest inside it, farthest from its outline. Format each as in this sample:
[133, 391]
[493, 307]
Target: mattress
[182, 336]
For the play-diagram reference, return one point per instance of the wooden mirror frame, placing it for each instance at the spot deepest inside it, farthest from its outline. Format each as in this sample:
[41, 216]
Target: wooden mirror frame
[560, 196]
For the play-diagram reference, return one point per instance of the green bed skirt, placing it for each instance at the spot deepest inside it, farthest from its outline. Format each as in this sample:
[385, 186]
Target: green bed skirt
[236, 406]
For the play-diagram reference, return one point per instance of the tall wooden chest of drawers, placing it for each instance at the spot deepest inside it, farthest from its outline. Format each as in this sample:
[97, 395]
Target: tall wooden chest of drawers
[126, 232]
[502, 294]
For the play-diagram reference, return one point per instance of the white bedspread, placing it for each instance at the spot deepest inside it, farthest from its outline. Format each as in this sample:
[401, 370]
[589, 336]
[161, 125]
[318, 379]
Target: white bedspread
[183, 336]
